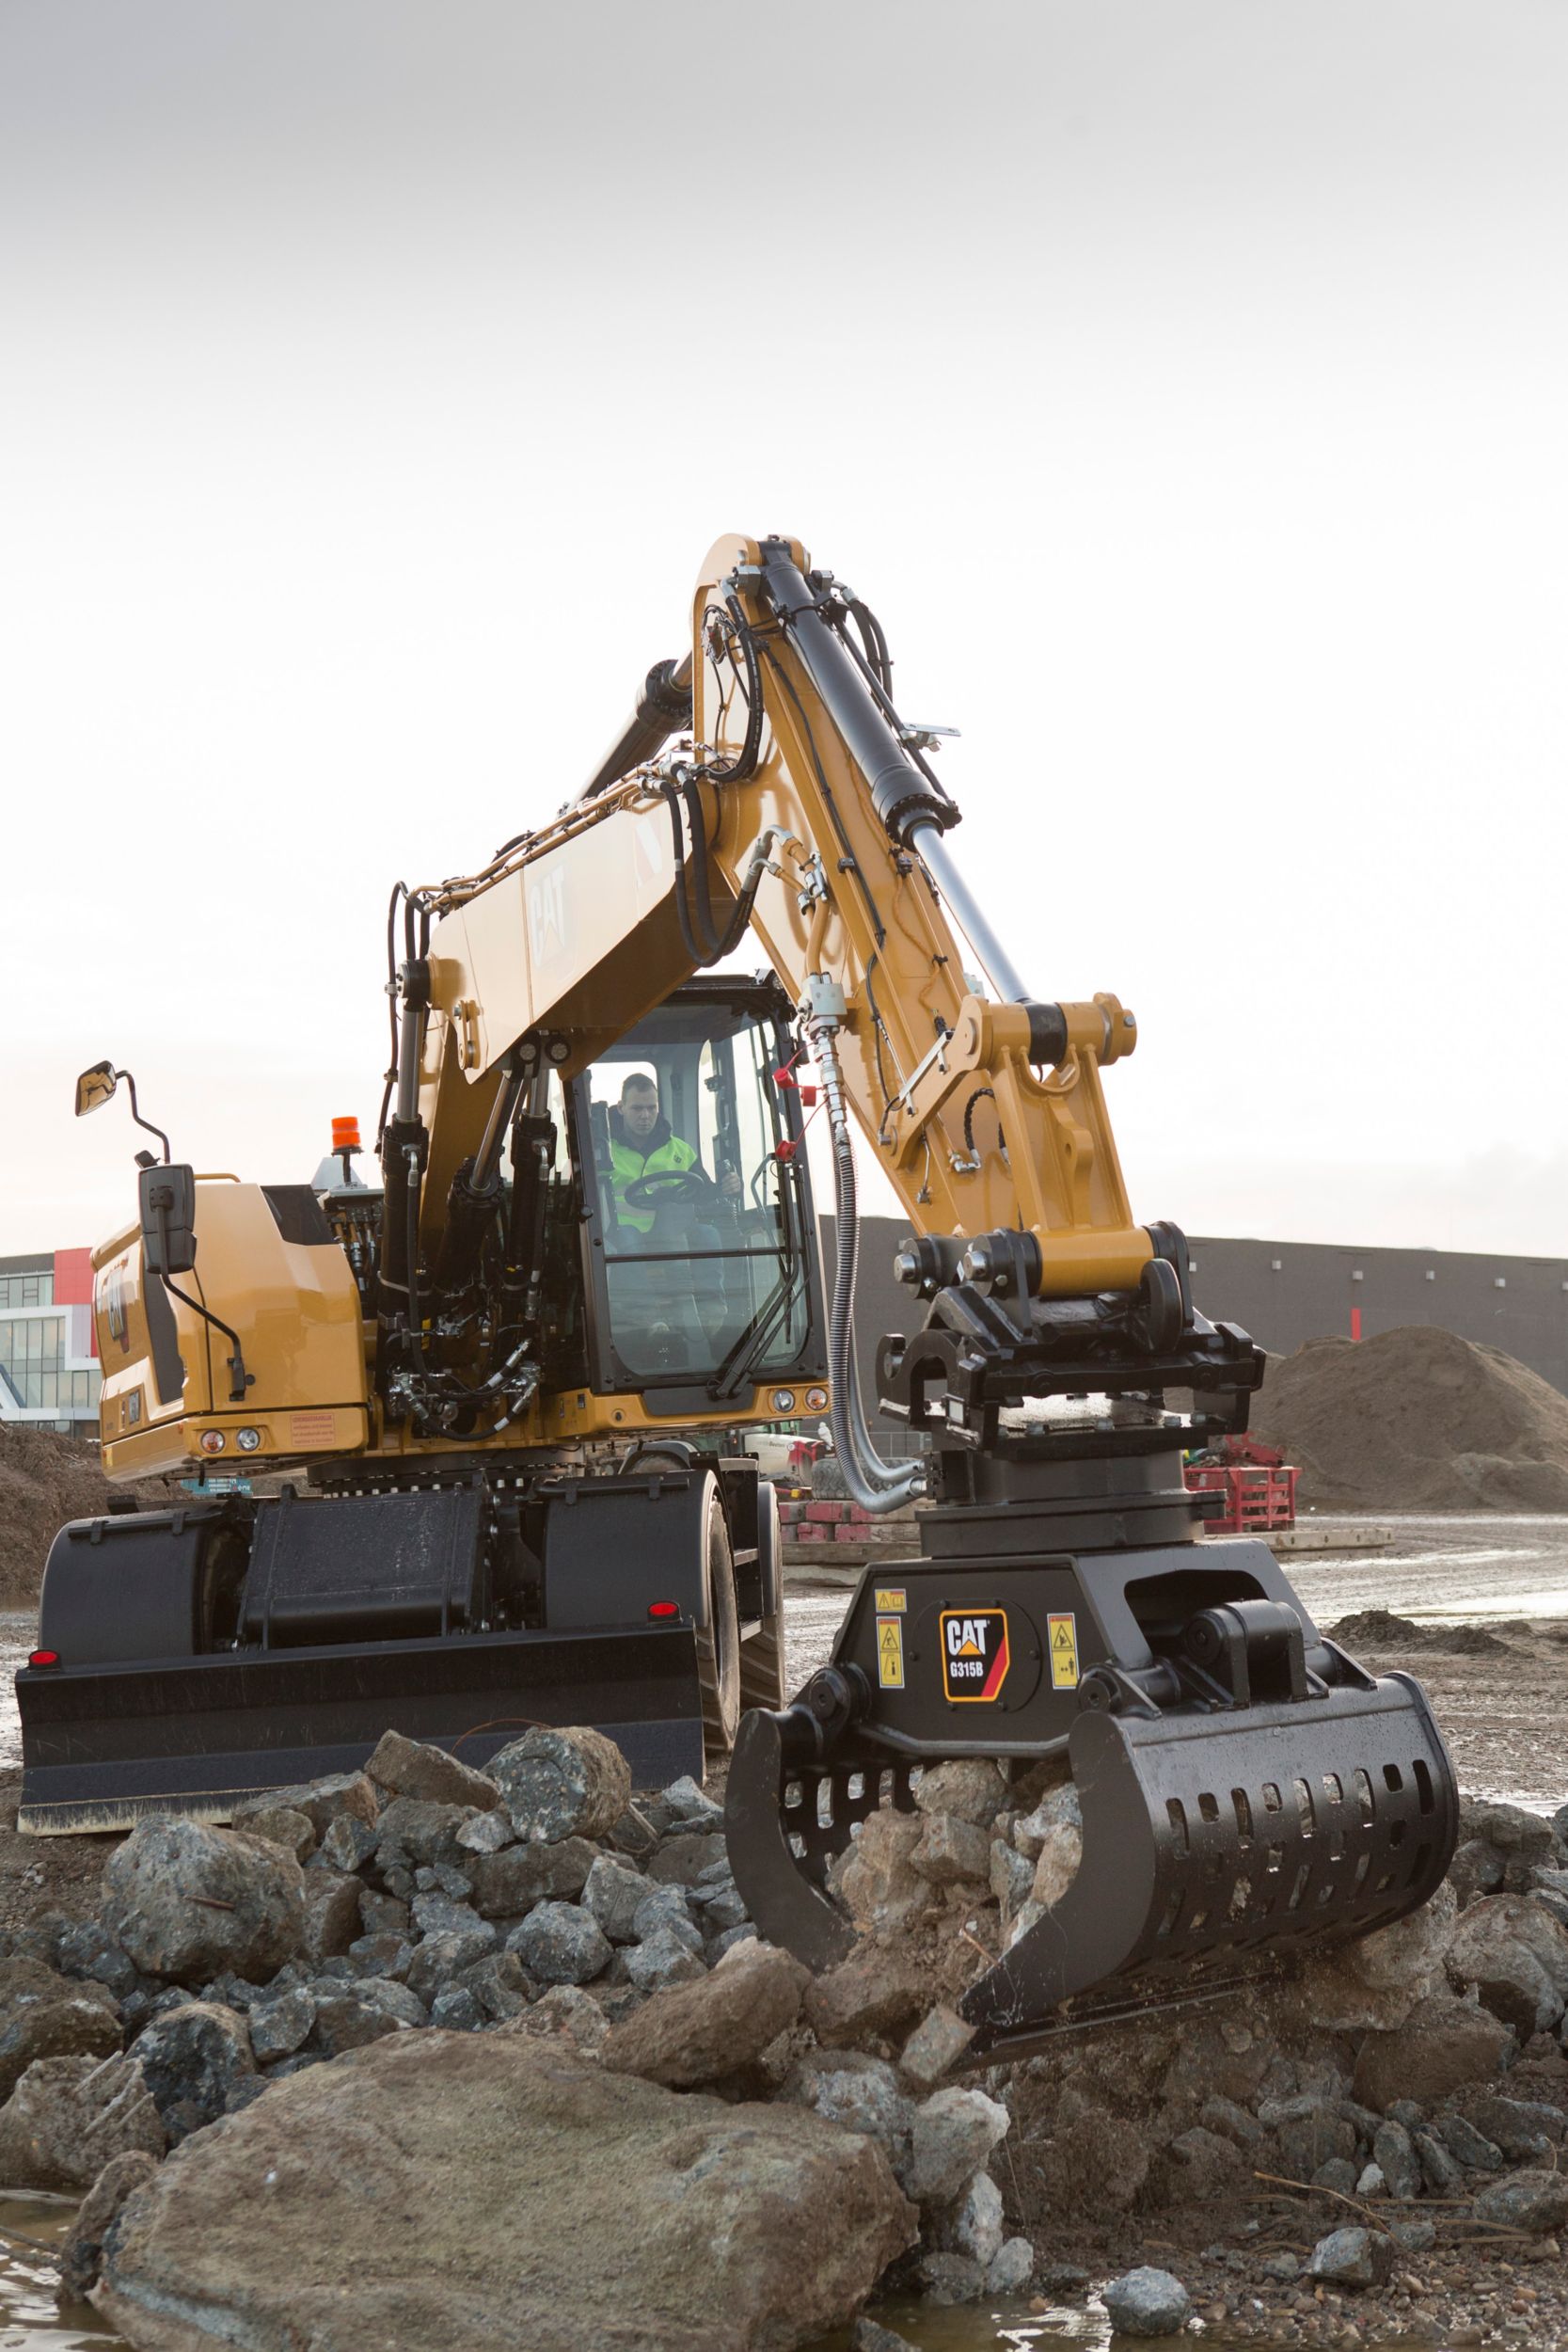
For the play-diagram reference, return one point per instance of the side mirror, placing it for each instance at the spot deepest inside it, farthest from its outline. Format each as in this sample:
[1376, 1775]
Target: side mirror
[94, 1088]
[166, 1198]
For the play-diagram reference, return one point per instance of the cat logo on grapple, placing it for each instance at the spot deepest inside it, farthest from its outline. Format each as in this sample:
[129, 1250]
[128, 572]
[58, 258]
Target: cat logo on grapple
[975, 1657]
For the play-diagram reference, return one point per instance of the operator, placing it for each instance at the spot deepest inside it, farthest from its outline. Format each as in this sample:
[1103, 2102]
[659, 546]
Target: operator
[643, 1143]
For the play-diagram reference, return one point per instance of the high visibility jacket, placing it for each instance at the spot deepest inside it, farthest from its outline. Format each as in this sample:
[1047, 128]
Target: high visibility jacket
[661, 1152]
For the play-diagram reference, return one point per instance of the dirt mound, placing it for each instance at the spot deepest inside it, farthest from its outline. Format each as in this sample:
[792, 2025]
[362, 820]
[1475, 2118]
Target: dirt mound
[1379, 1629]
[44, 1480]
[1417, 1419]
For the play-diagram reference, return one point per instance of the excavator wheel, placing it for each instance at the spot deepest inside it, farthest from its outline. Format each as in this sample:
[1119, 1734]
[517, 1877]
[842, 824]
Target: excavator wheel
[718, 1651]
[762, 1666]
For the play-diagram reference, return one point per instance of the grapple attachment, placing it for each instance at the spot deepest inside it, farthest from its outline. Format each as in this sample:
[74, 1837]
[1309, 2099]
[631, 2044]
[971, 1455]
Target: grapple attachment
[1249, 1794]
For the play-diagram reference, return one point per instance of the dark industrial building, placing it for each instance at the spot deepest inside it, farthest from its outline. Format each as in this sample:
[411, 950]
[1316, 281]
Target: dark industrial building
[1284, 1291]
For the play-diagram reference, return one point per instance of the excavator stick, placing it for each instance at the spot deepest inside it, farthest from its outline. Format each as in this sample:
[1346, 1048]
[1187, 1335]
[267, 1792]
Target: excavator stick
[1249, 1794]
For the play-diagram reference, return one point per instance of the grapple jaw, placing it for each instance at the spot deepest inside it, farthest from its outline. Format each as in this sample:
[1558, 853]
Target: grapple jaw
[1262, 1801]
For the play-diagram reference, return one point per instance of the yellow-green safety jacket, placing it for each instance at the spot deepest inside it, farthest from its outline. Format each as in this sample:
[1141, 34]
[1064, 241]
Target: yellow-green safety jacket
[664, 1150]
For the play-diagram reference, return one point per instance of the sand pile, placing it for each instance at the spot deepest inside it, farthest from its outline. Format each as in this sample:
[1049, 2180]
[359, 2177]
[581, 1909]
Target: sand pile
[44, 1480]
[1417, 1419]
[1379, 1629]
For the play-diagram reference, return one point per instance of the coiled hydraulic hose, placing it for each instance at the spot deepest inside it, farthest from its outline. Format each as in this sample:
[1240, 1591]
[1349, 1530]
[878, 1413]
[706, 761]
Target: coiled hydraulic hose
[876, 1486]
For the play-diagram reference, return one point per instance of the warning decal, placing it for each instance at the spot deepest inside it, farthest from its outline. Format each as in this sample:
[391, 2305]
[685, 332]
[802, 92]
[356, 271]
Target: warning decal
[975, 1656]
[889, 1653]
[1063, 1637]
[890, 1600]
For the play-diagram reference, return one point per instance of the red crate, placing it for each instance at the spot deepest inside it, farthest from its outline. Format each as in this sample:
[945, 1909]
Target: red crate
[1258, 1499]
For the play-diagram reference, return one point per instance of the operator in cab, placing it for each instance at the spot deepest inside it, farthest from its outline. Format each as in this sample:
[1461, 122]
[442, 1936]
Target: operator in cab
[643, 1143]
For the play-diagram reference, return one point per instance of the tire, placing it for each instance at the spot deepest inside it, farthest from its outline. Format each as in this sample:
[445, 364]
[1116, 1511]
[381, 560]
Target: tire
[718, 1641]
[762, 1682]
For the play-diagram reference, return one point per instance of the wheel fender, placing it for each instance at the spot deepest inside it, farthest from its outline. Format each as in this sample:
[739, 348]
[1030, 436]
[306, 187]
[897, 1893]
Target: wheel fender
[614, 1546]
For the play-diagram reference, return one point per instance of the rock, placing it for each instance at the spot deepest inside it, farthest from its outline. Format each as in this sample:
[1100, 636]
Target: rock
[563, 1783]
[560, 1944]
[411, 1768]
[661, 1960]
[1515, 1955]
[1282, 2267]
[950, 1852]
[1310, 2130]
[1442, 2175]
[193, 2061]
[435, 1914]
[1012, 2269]
[1397, 2161]
[968, 1788]
[280, 2026]
[936, 2044]
[1058, 1824]
[320, 1801]
[612, 1891]
[880, 1990]
[350, 2019]
[690, 1804]
[1534, 2201]
[875, 1878]
[382, 1956]
[69, 2116]
[975, 2225]
[86, 1949]
[438, 1958]
[508, 1883]
[348, 1843]
[1376, 1983]
[682, 1861]
[858, 2092]
[81, 2253]
[1520, 2128]
[1512, 1828]
[1352, 2258]
[1011, 1877]
[868, 2335]
[281, 1825]
[695, 2034]
[1231, 2123]
[331, 1921]
[567, 2013]
[1209, 2166]
[1416, 2235]
[952, 2136]
[382, 1915]
[1472, 2147]
[498, 1984]
[187, 1902]
[1444, 2043]
[1371, 2183]
[43, 2015]
[456, 2009]
[421, 1832]
[584, 2207]
[1477, 1868]
[949, 2278]
[487, 1833]
[1147, 2302]
[665, 1910]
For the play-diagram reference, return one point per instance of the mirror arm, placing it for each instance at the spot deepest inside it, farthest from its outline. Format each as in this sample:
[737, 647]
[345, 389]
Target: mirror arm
[131, 1086]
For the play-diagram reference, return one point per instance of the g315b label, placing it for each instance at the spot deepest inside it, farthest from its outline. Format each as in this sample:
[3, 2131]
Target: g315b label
[974, 1654]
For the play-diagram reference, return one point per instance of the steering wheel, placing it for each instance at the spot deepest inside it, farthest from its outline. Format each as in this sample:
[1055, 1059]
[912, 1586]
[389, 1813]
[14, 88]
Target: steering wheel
[667, 1185]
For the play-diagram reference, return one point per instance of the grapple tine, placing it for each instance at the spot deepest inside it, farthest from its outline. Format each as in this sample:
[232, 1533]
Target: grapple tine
[787, 1904]
[1209, 1838]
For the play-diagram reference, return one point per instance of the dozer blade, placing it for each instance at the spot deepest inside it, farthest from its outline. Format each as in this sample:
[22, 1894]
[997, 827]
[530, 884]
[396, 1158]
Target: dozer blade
[1214, 1840]
[103, 1745]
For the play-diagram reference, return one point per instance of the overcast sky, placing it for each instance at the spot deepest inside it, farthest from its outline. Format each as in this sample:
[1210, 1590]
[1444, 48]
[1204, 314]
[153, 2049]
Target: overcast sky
[1185, 386]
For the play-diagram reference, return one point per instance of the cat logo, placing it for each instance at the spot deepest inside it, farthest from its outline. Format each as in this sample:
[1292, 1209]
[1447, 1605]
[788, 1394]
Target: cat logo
[975, 1654]
[547, 916]
[114, 1305]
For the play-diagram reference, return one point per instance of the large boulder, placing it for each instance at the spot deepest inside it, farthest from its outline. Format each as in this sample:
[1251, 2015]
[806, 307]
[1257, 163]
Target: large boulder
[188, 1901]
[69, 2116]
[322, 1801]
[82, 2253]
[519, 2198]
[563, 1783]
[1376, 1982]
[701, 2033]
[45, 2015]
[194, 2059]
[410, 1768]
[1443, 2044]
[1515, 1955]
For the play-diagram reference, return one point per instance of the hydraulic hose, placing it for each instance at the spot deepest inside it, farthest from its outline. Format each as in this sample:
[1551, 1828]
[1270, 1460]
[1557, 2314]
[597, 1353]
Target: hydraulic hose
[875, 1484]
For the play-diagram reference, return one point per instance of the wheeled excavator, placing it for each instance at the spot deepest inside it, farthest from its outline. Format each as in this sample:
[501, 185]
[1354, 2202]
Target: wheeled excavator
[503, 1388]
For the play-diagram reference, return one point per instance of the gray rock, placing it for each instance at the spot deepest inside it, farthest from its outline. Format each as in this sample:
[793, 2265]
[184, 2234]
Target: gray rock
[950, 1852]
[721, 1907]
[869, 2335]
[508, 1883]
[281, 1825]
[1398, 2162]
[565, 2012]
[193, 2061]
[321, 1801]
[974, 2226]
[81, 2253]
[382, 1956]
[1534, 2201]
[497, 1983]
[1523, 2129]
[1012, 1875]
[968, 1788]
[664, 1909]
[43, 2015]
[686, 1859]
[695, 2034]
[1147, 2302]
[1477, 1868]
[441, 1878]
[437, 1915]
[397, 2001]
[440, 1959]
[487, 1833]
[661, 1960]
[382, 1915]
[581, 2198]
[1443, 2044]
[456, 2009]
[950, 2277]
[1352, 2258]
[187, 1902]
[858, 2092]
[69, 2116]
[1471, 2147]
[1339, 2175]
[1409, 2112]
[688, 1803]
[1232, 2122]
[349, 1842]
[743, 1934]
[1441, 2174]
[349, 2018]
[936, 2044]
[1515, 1955]
[952, 2137]
[411, 1768]
[1012, 2267]
[563, 1783]
[87, 1949]
[279, 2028]
[1415, 2234]
[560, 1944]
[414, 1831]
[1371, 2183]
[1282, 2267]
